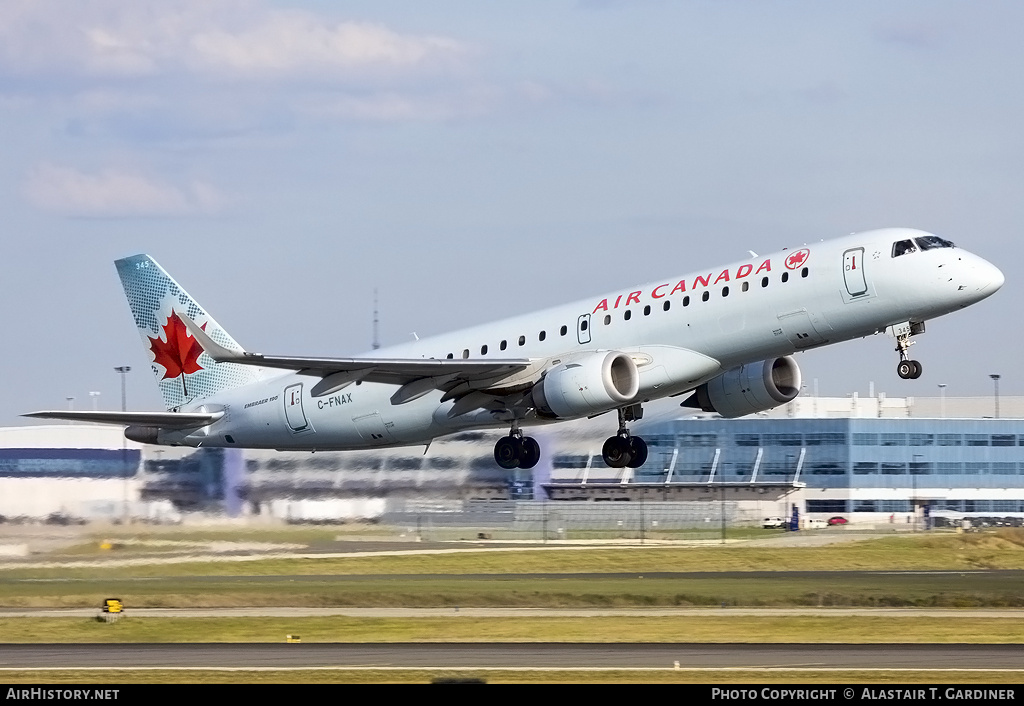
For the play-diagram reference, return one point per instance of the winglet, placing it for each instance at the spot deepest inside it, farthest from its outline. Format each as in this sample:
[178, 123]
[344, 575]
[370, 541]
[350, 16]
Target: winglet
[213, 349]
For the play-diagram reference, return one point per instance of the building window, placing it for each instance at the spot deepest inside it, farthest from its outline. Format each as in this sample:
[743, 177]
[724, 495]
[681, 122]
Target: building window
[976, 440]
[748, 439]
[827, 506]
[894, 469]
[975, 469]
[865, 468]
[922, 439]
[1004, 439]
[950, 469]
[1004, 469]
[949, 440]
[865, 439]
[894, 439]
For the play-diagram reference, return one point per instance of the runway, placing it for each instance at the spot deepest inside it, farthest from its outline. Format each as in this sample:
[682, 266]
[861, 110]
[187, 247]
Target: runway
[513, 656]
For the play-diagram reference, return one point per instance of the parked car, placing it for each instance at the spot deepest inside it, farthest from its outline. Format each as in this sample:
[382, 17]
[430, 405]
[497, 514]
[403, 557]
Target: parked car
[774, 523]
[837, 520]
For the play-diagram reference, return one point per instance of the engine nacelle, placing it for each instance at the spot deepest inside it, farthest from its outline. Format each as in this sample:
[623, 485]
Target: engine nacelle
[587, 385]
[749, 388]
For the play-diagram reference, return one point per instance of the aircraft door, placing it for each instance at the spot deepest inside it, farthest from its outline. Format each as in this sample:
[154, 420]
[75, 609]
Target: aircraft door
[293, 408]
[583, 329]
[853, 272]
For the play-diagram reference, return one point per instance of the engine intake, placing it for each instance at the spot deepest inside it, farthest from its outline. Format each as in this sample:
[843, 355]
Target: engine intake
[751, 388]
[588, 385]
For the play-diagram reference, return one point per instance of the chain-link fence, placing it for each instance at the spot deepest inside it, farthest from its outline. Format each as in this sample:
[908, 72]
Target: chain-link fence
[546, 520]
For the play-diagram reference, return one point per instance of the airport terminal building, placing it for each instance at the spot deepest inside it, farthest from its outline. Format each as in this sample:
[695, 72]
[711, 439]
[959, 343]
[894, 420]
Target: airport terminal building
[869, 459]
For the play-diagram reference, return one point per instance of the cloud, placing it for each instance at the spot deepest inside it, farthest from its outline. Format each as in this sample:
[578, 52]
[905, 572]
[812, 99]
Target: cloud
[115, 39]
[115, 193]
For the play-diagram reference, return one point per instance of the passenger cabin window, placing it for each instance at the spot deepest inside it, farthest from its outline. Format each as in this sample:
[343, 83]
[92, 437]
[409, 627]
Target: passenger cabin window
[483, 350]
[725, 291]
[450, 356]
[627, 314]
[522, 340]
[607, 319]
[667, 305]
[705, 296]
[542, 336]
[503, 345]
[785, 276]
[930, 242]
[803, 272]
[902, 247]
[465, 352]
[562, 331]
[746, 286]
[647, 310]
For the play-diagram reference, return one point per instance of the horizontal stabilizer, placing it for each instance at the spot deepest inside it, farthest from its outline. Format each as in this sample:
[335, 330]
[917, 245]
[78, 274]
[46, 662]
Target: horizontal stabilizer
[165, 420]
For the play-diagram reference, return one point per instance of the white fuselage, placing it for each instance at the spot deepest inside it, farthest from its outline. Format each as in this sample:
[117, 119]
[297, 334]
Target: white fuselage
[683, 331]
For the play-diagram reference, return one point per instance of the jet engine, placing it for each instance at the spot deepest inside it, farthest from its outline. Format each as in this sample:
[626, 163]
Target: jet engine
[593, 383]
[749, 388]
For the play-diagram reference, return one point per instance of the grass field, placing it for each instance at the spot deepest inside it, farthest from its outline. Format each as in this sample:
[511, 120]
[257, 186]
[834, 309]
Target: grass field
[608, 629]
[547, 576]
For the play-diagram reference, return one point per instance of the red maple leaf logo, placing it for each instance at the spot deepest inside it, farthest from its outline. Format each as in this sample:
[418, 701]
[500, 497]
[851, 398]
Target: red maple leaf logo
[179, 354]
[798, 258]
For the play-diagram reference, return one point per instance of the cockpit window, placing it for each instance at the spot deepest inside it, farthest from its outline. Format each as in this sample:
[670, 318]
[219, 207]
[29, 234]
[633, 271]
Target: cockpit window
[930, 242]
[902, 247]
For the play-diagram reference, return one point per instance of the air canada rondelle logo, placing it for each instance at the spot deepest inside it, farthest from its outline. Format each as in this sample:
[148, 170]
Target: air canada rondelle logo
[797, 259]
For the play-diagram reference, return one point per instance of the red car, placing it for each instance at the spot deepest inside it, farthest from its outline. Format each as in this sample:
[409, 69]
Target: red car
[837, 520]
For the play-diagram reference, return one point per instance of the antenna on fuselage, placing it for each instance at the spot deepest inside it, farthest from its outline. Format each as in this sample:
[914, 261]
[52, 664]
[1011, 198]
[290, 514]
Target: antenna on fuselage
[376, 322]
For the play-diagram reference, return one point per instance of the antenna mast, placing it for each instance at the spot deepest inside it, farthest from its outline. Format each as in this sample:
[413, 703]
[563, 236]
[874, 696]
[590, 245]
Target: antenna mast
[376, 321]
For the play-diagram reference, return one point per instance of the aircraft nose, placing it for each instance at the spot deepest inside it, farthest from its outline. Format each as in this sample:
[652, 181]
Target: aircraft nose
[989, 277]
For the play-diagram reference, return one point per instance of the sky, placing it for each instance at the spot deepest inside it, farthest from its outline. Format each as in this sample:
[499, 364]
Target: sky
[470, 161]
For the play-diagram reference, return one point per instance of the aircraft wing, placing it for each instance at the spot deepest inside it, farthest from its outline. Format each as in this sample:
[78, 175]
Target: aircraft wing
[417, 375]
[166, 420]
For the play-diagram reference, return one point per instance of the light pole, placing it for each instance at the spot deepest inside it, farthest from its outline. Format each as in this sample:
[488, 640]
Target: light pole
[124, 370]
[942, 399]
[995, 382]
[95, 400]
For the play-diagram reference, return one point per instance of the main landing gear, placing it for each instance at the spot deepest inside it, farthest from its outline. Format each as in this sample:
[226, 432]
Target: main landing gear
[907, 369]
[624, 449]
[516, 450]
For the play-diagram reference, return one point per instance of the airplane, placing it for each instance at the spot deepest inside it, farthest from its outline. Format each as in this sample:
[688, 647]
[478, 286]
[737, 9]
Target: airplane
[726, 335]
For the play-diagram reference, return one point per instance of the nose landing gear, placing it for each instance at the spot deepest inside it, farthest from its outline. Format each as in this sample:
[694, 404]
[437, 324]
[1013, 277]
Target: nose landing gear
[907, 369]
[624, 449]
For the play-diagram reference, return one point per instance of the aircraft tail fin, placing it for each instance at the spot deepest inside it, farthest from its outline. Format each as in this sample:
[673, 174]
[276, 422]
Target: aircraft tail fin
[183, 371]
